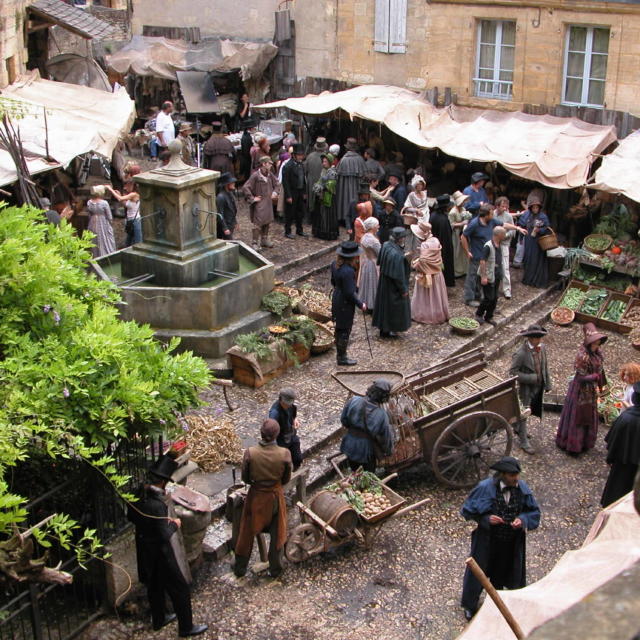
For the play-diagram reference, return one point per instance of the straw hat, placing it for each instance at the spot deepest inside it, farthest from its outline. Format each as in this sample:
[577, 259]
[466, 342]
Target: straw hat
[591, 334]
[185, 126]
[390, 201]
[459, 198]
[421, 230]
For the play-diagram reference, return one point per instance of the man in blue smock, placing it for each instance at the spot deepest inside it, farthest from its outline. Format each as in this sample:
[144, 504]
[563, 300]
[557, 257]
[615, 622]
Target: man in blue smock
[285, 412]
[476, 192]
[369, 437]
[505, 509]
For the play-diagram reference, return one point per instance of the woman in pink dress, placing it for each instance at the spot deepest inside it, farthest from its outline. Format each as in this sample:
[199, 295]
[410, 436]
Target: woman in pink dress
[429, 303]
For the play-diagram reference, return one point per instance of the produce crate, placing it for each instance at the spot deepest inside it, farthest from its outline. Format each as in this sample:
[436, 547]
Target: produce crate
[256, 373]
[396, 500]
[620, 327]
[485, 379]
[574, 284]
[633, 305]
[440, 398]
[587, 317]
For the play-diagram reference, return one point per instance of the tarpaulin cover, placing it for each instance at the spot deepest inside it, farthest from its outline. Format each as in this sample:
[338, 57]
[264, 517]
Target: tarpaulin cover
[556, 152]
[79, 120]
[161, 57]
[612, 546]
[620, 170]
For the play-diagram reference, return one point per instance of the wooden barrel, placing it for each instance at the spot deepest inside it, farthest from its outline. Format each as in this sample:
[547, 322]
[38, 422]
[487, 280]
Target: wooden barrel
[335, 511]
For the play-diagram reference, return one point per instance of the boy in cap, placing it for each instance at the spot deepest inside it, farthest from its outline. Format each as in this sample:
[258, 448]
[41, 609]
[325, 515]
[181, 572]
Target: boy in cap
[285, 413]
[505, 509]
[529, 364]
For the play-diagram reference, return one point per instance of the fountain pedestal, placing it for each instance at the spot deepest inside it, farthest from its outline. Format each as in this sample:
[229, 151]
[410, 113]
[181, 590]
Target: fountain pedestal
[182, 279]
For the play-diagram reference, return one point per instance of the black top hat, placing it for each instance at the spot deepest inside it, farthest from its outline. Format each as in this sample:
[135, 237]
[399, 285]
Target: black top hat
[477, 176]
[364, 188]
[534, 331]
[507, 464]
[298, 149]
[443, 201]
[225, 179]
[164, 468]
[395, 172]
[349, 249]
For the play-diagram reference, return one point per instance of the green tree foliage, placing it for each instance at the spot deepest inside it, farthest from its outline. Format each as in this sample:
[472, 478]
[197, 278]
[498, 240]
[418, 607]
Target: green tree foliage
[73, 376]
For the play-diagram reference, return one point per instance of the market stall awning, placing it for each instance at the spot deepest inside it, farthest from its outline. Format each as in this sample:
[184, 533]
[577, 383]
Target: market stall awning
[79, 120]
[620, 170]
[556, 152]
[162, 58]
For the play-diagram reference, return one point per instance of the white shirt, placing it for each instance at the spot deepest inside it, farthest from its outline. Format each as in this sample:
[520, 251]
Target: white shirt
[164, 125]
[506, 494]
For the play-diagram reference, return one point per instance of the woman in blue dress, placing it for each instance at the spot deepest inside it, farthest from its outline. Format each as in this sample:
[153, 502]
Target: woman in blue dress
[534, 223]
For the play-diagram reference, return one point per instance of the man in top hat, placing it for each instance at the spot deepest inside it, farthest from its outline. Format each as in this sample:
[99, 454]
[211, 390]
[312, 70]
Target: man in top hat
[219, 152]
[162, 565]
[312, 170]
[227, 207]
[285, 412]
[266, 468]
[369, 437]
[294, 184]
[392, 312]
[504, 508]
[476, 192]
[529, 364]
[345, 298]
[351, 169]
[441, 229]
[188, 145]
[261, 191]
[364, 195]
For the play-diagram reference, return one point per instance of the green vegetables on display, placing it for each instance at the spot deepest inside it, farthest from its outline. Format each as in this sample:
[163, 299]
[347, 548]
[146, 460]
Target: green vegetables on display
[593, 301]
[614, 310]
[598, 242]
[573, 298]
[464, 323]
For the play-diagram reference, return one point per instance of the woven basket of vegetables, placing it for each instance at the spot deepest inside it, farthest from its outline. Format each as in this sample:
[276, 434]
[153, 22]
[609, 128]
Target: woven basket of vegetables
[598, 242]
[464, 326]
[563, 316]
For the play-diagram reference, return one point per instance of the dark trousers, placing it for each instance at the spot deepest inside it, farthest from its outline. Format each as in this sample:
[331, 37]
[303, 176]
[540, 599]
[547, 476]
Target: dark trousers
[167, 578]
[489, 300]
[294, 447]
[274, 554]
[294, 212]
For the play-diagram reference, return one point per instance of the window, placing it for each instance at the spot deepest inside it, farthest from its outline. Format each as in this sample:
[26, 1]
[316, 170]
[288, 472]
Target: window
[390, 26]
[495, 55]
[585, 66]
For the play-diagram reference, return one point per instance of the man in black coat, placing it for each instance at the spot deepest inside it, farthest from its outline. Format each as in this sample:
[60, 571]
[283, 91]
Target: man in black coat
[623, 451]
[161, 563]
[294, 183]
[441, 229]
[285, 412]
[345, 298]
[392, 312]
[228, 208]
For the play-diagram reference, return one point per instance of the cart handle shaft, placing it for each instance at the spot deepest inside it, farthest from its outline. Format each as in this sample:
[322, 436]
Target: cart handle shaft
[410, 508]
[389, 478]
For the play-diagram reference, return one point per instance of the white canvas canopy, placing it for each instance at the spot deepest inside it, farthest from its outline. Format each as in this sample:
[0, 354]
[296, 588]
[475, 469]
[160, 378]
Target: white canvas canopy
[79, 120]
[556, 152]
[620, 170]
[613, 545]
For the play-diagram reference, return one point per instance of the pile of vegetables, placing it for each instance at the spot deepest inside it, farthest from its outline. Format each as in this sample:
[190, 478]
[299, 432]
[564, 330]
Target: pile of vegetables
[614, 311]
[593, 301]
[363, 491]
[461, 322]
[598, 242]
[573, 298]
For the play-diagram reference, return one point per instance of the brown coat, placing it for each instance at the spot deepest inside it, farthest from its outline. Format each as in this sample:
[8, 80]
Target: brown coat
[219, 154]
[266, 467]
[261, 213]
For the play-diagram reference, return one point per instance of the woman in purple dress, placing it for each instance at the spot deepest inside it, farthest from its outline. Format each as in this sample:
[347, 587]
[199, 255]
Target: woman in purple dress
[578, 425]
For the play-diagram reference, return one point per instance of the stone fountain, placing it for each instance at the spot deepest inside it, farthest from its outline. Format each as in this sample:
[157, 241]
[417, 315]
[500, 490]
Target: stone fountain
[182, 280]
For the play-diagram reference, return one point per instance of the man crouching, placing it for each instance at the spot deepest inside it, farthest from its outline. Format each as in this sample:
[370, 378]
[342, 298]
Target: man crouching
[266, 467]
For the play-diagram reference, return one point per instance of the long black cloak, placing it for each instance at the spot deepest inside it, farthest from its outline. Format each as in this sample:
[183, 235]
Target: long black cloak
[350, 171]
[441, 229]
[393, 307]
[623, 454]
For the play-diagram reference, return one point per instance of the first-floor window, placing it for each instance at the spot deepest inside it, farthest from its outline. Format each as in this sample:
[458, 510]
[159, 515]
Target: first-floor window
[585, 65]
[495, 56]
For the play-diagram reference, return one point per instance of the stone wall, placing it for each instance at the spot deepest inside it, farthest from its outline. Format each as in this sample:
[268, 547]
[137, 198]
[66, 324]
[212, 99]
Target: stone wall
[13, 52]
[249, 19]
[441, 47]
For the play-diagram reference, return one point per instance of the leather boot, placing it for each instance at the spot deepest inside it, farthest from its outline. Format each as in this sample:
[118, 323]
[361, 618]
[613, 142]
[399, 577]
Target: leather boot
[342, 342]
[523, 437]
[265, 237]
[255, 239]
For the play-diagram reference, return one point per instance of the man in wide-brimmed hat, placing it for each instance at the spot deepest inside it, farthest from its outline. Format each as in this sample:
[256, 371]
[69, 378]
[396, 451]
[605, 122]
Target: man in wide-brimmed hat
[313, 169]
[162, 565]
[399, 192]
[505, 509]
[188, 145]
[476, 192]
[529, 364]
[392, 313]
[227, 207]
[294, 184]
[351, 169]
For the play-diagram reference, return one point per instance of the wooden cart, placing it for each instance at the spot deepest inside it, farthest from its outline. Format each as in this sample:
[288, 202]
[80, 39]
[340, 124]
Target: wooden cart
[455, 415]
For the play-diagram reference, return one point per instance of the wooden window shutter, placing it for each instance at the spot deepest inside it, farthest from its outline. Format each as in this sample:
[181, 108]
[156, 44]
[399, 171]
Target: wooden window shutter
[397, 26]
[381, 35]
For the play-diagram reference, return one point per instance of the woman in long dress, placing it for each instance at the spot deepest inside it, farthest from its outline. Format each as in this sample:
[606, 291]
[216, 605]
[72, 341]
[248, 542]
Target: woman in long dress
[100, 223]
[578, 426]
[365, 211]
[368, 274]
[325, 190]
[536, 263]
[458, 218]
[429, 303]
[418, 199]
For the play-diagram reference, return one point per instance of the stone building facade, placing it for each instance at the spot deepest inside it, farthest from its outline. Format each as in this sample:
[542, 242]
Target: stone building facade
[13, 51]
[501, 55]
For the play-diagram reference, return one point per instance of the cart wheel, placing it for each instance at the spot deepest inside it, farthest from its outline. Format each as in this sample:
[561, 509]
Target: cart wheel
[466, 449]
[302, 541]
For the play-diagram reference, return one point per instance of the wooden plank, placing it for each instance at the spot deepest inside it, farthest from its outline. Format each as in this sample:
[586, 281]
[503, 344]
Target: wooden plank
[317, 519]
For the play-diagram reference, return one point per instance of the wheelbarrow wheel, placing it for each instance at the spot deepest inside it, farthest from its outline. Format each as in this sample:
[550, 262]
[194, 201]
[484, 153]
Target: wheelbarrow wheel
[464, 452]
[301, 543]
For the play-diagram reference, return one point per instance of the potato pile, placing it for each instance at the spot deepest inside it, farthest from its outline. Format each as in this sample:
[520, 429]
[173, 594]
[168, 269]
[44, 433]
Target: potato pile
[374, 503]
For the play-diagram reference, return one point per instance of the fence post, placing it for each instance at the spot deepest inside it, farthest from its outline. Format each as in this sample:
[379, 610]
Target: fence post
[36, 618]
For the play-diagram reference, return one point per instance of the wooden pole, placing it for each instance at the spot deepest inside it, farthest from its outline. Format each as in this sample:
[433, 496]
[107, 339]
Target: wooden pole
[493, 594]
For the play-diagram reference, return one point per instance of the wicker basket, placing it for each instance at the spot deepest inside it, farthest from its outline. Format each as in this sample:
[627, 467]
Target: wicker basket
[563, 316]
[462, 330]
[593, 236]
[324, 340]
[548, 241]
